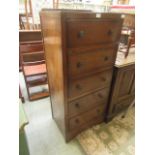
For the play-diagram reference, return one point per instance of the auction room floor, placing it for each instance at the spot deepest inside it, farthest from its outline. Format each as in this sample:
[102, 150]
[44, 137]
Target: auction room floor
[43, 135]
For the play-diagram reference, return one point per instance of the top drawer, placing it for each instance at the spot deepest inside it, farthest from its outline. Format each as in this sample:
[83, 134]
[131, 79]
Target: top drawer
[83, 33]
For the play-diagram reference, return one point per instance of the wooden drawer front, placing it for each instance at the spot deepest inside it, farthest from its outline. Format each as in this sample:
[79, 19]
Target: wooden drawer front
[94, 121]
[88, 102]
[100, 80]
[83, 33]
[90, 61]
[76, 122]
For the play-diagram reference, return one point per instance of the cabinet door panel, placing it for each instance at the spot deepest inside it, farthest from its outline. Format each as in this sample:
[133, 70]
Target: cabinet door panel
[126, 82]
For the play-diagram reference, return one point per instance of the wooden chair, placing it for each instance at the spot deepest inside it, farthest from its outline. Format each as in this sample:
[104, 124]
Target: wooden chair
[128, 25]
[34, 68]
[29, 36]
[130, 44]
[27, 15]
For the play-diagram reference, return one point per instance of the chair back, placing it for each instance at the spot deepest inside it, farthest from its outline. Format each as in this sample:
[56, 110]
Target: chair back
[131, 39]
[29, 35]
[131, 42]
[129, 21]
[32, 54]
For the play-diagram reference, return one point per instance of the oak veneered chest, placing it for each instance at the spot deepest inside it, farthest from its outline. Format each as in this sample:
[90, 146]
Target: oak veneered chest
[80, 50]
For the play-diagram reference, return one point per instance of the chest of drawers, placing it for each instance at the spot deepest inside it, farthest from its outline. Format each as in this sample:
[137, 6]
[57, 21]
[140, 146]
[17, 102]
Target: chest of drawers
[80, 50]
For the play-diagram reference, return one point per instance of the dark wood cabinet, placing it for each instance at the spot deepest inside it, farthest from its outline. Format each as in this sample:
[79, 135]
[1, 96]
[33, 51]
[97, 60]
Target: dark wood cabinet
[80, 50]
[123, 87]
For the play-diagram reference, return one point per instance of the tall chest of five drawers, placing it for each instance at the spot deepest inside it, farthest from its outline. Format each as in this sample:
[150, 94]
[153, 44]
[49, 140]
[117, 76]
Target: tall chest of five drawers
[80, 51]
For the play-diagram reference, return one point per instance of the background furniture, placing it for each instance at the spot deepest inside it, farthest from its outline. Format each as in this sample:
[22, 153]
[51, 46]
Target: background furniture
[128, 27]
[123, 86]
[26, 37]
[80, 51]
[130, 44]
[127, 40]
[26, 20]
[34, 68]
[129, 21]
[29, 35]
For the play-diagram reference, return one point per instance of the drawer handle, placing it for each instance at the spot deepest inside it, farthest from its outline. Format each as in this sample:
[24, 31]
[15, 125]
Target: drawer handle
[105, 58]
[76, 121]
[78, 87]
[77, 105]
[103, 79]
[109, 33]
[79, 64]
[100, 95]
[81, 34]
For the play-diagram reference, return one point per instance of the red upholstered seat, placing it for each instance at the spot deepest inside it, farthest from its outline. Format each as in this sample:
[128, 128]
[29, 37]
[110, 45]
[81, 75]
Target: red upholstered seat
[35, 69]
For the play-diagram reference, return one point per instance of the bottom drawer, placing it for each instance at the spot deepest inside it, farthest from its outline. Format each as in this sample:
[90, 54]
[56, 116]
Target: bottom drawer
[72, 133]
[78, 121]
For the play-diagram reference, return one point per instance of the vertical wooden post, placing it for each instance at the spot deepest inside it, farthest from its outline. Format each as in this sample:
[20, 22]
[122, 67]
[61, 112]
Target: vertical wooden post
[55, 4]
[31, 12]
[27, 18]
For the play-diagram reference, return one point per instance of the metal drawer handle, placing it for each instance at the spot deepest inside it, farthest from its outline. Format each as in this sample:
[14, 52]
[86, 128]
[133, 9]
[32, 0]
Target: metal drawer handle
[77, 105]
[105, 58]
[78, 87]
[77, 121]
[81, 34]
[79, 64]
[110, 33]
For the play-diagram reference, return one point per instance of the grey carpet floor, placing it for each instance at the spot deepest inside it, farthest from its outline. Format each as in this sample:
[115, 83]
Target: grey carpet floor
[43, 135]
